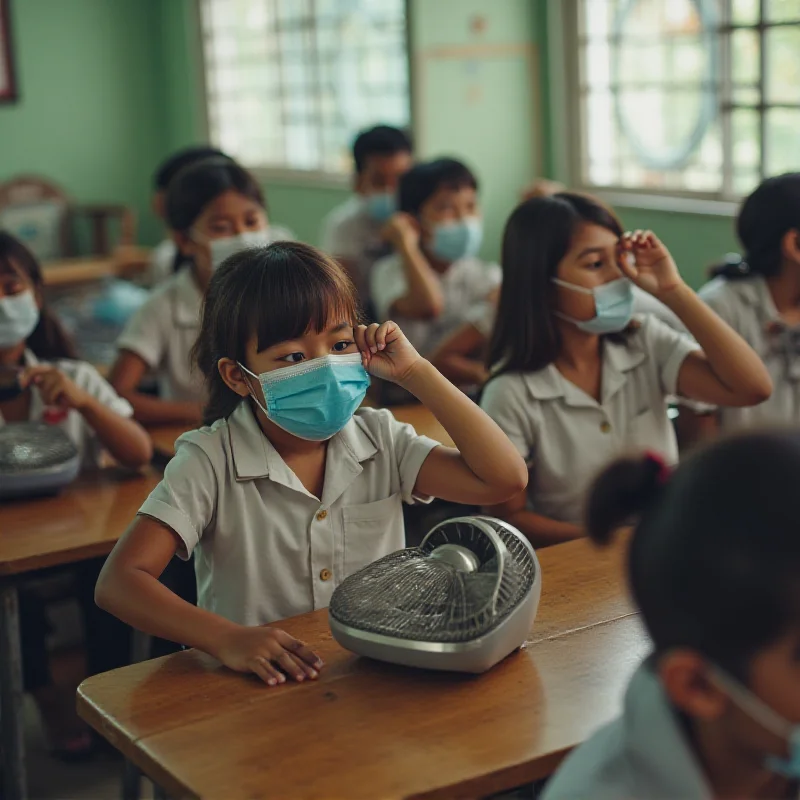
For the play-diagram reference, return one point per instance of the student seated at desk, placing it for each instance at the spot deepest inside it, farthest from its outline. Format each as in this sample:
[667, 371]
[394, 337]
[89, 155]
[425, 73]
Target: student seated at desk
[714, 567]
[760, 297]
[435, 280]
[52, 385]
[165, 258]
[576, 380]
[214, 208]
[352, 231]
[290, 488]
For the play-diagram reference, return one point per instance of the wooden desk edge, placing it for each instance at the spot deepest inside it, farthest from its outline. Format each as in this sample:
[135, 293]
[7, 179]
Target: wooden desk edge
[28, 564]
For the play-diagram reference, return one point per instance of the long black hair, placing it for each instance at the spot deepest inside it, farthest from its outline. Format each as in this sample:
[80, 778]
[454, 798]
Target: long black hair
[765, 217]
[276, 293]
[49, 341]
[537, 236]
[714, 563]
[192, 188]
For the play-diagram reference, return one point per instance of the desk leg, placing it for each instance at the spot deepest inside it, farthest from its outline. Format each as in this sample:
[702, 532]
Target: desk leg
[131, 776]
[15, 780]
[159, 793]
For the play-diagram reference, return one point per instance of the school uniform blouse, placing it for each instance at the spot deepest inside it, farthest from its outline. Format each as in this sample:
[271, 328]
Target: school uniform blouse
[643, 754]
[265, 548]
[85, 377]
[566, 436]
[747, 306]
[465, 286]
[162, 333]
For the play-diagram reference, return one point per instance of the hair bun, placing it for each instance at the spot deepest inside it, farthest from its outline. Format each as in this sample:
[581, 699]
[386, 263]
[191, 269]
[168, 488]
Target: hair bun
[623, 491]
[733, 266]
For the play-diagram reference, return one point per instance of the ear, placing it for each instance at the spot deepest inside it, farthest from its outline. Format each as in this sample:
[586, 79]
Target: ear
[358, 183]
[790, 245]
[687, 680]
[184, 243]
[234, 376]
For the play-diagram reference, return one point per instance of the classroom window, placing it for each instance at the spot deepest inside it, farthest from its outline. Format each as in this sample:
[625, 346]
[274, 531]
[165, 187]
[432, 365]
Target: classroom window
[697, 97]
[289, 83]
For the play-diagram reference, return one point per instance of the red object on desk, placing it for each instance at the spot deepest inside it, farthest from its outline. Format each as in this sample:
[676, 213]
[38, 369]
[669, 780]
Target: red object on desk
[54, 415]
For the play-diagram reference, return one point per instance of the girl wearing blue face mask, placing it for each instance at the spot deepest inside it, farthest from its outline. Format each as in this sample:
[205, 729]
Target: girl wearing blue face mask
[214, 208]
[714, 567]
[576, 378]
[435, 280]
[290, 488]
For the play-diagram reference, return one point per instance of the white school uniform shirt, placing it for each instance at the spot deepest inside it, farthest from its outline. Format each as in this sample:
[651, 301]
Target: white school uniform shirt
[567, 437]
[642, 754]
[351, 234]
[265, 548]
[85, 377]
[162, 333]
[747, 306]
[465, 285]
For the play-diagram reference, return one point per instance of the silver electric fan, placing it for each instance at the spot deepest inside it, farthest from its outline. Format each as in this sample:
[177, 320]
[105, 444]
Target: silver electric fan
[35, 458]
[461, 601]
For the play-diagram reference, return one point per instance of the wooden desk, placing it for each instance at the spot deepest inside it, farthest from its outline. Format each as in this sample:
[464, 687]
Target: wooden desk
[423, 422]
[82, 522]
[124, 262]
[372, 730]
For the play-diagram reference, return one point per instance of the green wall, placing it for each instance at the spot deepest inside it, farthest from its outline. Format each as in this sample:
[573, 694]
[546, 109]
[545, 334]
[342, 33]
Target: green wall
[109, 87]
[90, 104]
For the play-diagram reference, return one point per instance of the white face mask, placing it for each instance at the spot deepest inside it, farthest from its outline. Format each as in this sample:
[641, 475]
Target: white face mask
[19, 315]
[230, 245]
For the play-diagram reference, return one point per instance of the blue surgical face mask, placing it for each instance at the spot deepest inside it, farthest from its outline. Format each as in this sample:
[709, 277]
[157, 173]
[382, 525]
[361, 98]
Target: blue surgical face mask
[380, 205]
[770, 720]
[19, 316]
[613, 303]
[314, 399]
[455, 240]
[227, 246]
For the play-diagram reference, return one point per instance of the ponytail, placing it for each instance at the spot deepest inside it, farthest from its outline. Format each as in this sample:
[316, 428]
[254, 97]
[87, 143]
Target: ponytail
[622, 492]
[733, 267]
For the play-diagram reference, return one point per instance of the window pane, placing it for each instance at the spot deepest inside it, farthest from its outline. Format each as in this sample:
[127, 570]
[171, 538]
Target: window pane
[745, 12]
[783, 65]
[290, 82]
[783, 10]
[745, 57]
[782, 151]
[746, 149]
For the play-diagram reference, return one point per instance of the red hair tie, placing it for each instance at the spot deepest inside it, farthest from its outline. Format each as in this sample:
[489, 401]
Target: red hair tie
[664, 469]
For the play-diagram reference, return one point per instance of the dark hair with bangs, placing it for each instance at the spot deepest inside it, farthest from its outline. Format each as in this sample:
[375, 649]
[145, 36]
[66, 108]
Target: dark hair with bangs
[277, 292]
[382, 140]
[422, 181]
[172, 165]
[196, 185]
[49, 341]
[537, 236]
[714, 563]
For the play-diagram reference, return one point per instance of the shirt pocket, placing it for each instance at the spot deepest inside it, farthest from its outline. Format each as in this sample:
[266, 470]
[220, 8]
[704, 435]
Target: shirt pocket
[372, 530]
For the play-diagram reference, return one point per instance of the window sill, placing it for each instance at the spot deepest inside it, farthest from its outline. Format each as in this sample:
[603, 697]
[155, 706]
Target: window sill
[670, 203]
[298, 177]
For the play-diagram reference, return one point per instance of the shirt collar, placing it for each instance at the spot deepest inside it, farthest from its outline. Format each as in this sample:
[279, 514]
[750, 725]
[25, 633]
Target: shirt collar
[618, 359]
[255, 457]
[188, 299]
[654, 737]
[755, 292]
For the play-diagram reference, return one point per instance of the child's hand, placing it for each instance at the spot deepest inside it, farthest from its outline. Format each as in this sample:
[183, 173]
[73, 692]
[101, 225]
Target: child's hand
[386, 353]
[269, 653]
[55, 387]
[652, 267]
[401, 231]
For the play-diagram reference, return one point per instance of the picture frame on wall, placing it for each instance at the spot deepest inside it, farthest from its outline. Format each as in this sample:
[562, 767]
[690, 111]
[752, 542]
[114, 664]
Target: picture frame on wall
[8, 83]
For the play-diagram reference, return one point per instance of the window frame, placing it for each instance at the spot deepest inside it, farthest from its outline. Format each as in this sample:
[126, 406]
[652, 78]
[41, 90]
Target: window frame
[566, 114]
[289, 175]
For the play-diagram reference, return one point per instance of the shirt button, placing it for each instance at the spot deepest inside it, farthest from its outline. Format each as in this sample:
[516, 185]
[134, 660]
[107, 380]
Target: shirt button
[325, 575]
[322, 514]
[605, 427]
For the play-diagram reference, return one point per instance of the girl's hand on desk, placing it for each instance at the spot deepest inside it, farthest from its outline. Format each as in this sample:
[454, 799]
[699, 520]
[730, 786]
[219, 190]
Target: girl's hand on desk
[386, 353]
[55, 387]
[269, 653]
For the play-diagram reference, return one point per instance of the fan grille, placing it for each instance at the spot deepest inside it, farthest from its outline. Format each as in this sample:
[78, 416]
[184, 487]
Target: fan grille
[409, 595]
[28, 446]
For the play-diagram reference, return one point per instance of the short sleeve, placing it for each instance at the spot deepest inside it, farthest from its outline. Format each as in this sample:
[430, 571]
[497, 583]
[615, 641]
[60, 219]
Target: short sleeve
[338, 237]
[186, 498]
[505, 400]
[144, 334]
[492, 277]
[481, 316]
[387, 284]
[669, 349]
[86, 377]
[162, 261]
